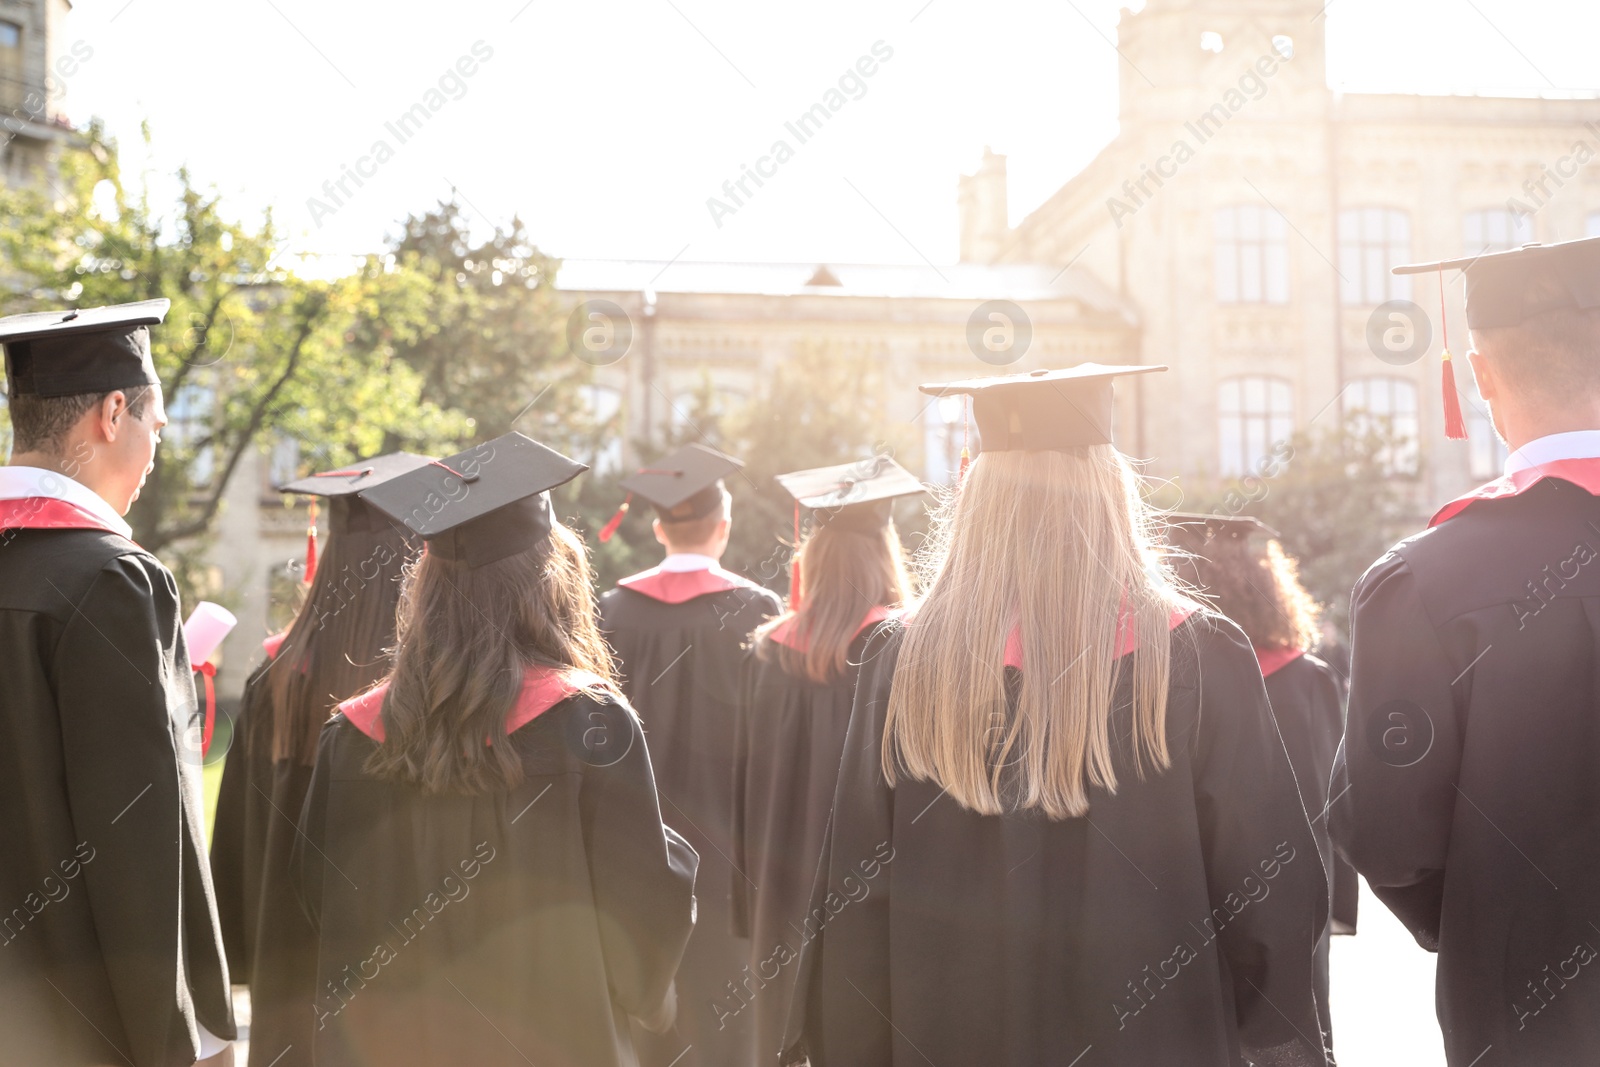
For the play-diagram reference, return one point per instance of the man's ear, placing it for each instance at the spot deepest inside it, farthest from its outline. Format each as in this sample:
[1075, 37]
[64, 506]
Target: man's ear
[110, 416]
[661, 535]
[1483, 373]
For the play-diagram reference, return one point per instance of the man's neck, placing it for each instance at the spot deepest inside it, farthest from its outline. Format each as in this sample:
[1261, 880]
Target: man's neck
[64, 465]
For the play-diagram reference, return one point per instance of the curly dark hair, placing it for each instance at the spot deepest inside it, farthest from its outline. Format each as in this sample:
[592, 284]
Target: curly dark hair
[1252, 581]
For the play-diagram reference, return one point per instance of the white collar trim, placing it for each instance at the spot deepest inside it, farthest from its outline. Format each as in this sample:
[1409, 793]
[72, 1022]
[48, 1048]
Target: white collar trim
[688, 561]
[1575, 444]
[17, 483]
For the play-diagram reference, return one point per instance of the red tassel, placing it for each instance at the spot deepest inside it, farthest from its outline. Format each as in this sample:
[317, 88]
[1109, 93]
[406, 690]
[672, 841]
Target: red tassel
[609, 530]
[1455, 428]
[209, 673]
[311, 542]
[966, 461]
[794, 563]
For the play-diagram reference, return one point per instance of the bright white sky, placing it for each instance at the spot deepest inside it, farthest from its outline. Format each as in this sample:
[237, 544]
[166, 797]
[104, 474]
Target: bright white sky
[606, 124]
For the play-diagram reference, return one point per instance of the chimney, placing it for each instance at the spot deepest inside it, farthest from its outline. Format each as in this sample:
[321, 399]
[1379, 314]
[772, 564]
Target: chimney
[981, 202]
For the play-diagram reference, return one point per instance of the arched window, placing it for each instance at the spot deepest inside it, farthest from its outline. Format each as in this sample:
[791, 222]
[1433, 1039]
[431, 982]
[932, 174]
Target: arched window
[1252, 255]
[1254, 412]
[1387, 406]
[1494, 230]
[605, 405]
[1371, 240]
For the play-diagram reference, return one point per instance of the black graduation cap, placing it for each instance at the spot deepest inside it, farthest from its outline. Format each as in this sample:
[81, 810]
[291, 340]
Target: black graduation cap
[1201, 528]
[481, 505]
[1042, 410]
[684, 485]
[858, 495]
[88, 350]
[342, 488]
[1508, 288]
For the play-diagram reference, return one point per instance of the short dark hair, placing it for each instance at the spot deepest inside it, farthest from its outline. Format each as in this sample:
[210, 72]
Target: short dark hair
[1553, 356]
[41, 423]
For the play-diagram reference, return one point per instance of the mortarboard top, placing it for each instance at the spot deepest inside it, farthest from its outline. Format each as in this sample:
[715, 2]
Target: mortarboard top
[1212, 527]
[343, 485]
[1508, 288]
[684, 485]
[1042, 410]
[88, 350]
[855, 494]
[481, 505]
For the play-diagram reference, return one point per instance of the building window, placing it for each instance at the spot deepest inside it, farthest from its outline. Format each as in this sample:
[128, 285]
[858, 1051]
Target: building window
[1371, 240]
[605, 405]
[11, 90]
[944, 428]
[1253, 414]
[1495, 230]
[1486, 453]
[701, 410]
[1252, 256]
[189, 429]
[1388, 407]
[283, 462]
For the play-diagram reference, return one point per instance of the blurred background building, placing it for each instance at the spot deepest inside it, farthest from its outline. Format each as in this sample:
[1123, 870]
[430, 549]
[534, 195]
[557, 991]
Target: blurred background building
[35, 67]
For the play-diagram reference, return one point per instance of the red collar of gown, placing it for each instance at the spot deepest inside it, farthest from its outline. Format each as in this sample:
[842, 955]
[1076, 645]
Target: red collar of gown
[542, 689]
[1273, 660]
[1127, 637]
[1583, 473]
[784, 633]
[48, 513]
[676, 587]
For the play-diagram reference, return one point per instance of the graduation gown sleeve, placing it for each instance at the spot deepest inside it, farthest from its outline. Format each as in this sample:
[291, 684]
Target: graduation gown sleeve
[842, 994]
[1243, 781]
[640, 906]
[1401, 751]
[132, 771]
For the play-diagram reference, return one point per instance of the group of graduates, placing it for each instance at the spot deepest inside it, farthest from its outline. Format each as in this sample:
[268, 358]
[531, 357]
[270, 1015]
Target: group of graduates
[1078, 794]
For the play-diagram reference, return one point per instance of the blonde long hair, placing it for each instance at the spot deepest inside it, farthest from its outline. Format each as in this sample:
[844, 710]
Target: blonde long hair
[1062, 543]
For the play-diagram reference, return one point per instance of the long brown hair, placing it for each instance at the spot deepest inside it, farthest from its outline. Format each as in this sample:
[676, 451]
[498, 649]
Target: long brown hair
[1252, 581]
[1062, 544]
[339, 642]
[848, 571]
[466, 636]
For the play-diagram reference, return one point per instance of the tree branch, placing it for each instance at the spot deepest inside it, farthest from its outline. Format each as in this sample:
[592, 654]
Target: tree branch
[201, 520]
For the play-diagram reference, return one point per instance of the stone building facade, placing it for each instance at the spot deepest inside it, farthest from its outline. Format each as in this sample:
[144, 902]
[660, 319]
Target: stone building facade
[37, 65]
[1250, 216]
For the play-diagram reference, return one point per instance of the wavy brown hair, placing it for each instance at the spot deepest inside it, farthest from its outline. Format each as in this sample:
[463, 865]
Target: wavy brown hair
[340, 640]
[847, 572]
[1252, 581]
[466, 637]
[1062, 544]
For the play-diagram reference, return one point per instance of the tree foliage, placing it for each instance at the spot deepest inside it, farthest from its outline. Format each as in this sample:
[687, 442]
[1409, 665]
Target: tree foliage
[250, 351]
[1333, 497]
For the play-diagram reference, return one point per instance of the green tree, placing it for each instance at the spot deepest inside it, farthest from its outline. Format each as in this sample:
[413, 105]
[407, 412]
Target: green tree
[249, 352]
[1333, 496]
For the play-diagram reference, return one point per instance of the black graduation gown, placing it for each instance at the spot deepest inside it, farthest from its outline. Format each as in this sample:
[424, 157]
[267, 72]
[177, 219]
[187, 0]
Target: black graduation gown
[1466, 789]
[109, 949]
[681, 666]
[1173, 925]
[1306, 700]
[271, 947]
[507, 928]
[786, 766]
